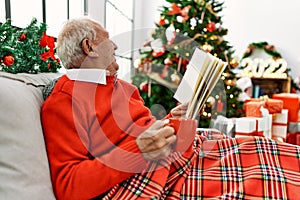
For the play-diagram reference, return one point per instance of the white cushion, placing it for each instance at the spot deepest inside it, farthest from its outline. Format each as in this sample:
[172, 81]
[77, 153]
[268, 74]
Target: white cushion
[24, 168]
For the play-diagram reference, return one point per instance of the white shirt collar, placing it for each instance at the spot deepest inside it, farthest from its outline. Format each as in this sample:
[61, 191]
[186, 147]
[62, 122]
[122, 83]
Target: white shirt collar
[87, 75]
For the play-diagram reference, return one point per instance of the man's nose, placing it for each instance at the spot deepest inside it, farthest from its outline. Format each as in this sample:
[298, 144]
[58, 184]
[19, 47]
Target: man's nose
[114, 45]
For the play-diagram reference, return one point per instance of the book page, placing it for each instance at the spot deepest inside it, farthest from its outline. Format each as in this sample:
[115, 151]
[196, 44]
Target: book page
[202, 74]
[188, 83]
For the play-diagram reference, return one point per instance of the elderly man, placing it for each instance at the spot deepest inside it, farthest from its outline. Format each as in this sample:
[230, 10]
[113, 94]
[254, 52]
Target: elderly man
[92, 119]
[102, 142]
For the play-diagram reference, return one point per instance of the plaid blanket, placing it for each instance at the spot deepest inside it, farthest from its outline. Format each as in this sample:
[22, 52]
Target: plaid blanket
[217, 167]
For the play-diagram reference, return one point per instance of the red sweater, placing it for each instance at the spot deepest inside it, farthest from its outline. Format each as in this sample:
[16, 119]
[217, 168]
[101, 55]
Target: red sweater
[90, 131]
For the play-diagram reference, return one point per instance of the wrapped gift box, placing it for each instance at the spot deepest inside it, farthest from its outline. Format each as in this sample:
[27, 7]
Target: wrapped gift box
[225, 125]
[249, 126]
[267, 120]
[252, 108]
[274, 105]
[290, 102]
[279, 124]
[294, 127]
[253, 105]
[293, 135]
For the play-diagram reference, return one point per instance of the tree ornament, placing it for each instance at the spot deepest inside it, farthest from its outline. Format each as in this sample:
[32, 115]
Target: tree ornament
[158, 48]
[175, 78]
[211, 27]
[144, 87]
[170, 34]
[220, 105]
[168, 61]
[22, 37]
[157, 54]
[229, 82]
[211, 101]
[185, 13]
[234, 62]
[165, 72]
[8, 60]
[162, 22]
[207, 47]
[174, 9]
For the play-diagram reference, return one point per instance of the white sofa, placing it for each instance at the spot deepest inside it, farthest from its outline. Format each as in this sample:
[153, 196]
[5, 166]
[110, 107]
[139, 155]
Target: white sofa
[24, 169]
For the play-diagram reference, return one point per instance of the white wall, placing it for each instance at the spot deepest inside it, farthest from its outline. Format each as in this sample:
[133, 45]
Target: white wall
[274, 21]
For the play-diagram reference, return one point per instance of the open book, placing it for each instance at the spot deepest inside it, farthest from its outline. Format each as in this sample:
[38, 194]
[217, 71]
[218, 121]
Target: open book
[202, 74]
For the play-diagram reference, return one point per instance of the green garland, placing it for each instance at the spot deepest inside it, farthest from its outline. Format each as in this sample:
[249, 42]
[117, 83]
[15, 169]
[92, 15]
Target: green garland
[27, 50]
[269, 49]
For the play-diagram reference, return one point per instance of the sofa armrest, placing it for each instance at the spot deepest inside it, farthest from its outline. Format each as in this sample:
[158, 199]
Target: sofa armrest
[24, 169]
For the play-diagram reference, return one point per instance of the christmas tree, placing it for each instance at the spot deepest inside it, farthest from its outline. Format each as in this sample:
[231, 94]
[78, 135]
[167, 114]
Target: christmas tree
[183, 26]
[27, 50]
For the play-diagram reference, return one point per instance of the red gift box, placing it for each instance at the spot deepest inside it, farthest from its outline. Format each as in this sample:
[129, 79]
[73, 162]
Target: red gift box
[252, 109]
[292, 138]
[252, 106]
[274, 105]
[290, 102]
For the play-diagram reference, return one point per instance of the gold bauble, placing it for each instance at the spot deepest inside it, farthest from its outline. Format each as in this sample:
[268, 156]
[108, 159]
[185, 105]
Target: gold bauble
[234, 62]
[211, 101]
[175, 78]
[207, 47]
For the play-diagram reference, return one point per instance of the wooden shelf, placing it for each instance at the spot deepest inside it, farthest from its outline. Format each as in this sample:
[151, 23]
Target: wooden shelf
[270, 86]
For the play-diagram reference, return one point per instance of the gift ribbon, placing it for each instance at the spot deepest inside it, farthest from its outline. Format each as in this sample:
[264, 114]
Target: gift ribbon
[253, 133]
[279, 124]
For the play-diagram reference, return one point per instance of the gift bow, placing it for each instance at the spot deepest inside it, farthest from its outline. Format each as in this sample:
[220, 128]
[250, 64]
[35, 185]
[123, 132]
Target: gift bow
[47, 42]
[184, 12]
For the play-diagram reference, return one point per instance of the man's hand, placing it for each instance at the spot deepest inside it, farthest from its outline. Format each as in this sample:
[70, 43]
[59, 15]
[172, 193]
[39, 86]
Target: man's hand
[179, 111]
[156, 142]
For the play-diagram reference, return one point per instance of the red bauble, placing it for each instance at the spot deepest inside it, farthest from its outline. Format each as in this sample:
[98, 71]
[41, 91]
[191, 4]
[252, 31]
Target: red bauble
[22, 37]
[162, 22]
[144, 87]
[8, 60]
[211, 27]
[157, 54]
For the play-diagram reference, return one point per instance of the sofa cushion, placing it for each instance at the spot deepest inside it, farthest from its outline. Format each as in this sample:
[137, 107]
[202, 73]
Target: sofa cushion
[24, 169]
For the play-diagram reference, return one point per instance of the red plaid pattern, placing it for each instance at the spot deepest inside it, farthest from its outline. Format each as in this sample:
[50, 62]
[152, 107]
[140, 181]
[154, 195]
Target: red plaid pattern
[227, 168]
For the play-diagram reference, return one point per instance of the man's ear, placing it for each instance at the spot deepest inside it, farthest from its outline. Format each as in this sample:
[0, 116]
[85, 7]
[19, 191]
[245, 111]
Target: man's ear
[87, 48]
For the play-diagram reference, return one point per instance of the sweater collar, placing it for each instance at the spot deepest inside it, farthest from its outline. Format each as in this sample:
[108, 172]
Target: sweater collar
[89, 75]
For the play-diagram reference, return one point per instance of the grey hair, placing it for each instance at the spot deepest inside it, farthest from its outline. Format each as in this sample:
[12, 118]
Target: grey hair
[69, 41]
